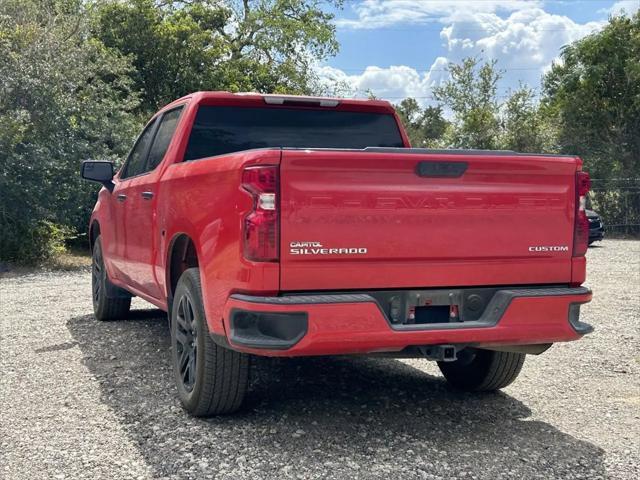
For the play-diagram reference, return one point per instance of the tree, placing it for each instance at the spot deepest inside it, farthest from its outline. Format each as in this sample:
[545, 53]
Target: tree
[481, 120]
[180, 47]
[526, 127]
[470, 94]
[434, 126]
[410, 112]
[595, 93]
[425, 127]
[63, 99]
[78, 77]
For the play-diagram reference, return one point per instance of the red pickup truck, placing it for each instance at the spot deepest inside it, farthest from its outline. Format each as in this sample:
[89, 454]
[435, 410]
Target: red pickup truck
[288, 226]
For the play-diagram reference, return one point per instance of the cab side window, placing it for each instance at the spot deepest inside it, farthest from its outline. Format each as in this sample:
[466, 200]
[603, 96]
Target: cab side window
[163, 137]
[138, 157]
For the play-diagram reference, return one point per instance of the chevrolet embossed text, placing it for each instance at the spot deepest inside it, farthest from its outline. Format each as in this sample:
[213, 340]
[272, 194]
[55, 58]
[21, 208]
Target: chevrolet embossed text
[316, 248]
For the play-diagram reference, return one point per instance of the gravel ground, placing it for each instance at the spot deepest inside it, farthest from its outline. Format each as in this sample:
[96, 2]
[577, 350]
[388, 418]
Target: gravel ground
[82, 399]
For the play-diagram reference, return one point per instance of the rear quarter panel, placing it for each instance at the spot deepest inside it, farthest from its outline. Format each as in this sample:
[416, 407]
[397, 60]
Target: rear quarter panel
[204, 200]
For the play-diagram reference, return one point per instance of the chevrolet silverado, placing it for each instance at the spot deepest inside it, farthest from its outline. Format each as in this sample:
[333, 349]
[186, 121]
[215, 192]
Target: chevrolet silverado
[288, 226]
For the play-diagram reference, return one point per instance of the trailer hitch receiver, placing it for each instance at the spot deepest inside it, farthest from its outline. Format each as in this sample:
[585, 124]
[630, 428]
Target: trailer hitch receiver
[440, 353]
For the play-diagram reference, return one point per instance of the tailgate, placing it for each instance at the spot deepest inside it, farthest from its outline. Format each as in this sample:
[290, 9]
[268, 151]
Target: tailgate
[400, 219]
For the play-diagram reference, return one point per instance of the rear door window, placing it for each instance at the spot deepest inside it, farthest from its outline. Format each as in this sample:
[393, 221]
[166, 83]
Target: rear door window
[137, 159]
[163, 137]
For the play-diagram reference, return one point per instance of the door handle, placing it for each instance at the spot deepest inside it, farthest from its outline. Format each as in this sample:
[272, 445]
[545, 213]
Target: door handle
[121, 197]
[147, 195]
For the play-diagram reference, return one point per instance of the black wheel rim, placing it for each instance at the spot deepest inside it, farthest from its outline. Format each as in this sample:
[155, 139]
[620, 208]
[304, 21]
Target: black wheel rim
[96, 275]
[186, 343]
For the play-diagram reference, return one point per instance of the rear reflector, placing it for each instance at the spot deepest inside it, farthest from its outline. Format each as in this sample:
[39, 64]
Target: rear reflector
[260, 235]
[581, 225]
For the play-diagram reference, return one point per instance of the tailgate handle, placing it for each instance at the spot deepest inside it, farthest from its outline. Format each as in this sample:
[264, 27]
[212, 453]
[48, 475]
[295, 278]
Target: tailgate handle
[441, 169]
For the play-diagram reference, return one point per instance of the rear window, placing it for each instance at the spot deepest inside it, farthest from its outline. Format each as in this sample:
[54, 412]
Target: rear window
[220, 130]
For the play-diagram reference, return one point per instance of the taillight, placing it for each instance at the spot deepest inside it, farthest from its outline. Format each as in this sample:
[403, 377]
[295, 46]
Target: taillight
[581, 225]
[260, 233]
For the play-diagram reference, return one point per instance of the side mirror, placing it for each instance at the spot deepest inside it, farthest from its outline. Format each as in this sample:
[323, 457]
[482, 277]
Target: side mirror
[98, 171]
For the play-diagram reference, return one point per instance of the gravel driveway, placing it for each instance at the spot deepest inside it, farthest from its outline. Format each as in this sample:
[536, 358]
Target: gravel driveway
[82, 399]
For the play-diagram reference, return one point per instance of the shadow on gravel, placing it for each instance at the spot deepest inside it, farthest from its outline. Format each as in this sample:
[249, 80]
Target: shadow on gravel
[320, 417]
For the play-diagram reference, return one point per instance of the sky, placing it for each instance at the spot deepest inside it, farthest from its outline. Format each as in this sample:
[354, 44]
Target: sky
[401, 48]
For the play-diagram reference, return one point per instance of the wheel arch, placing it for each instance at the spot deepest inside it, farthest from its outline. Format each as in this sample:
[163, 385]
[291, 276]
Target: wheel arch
[181, 255]
[94, 232]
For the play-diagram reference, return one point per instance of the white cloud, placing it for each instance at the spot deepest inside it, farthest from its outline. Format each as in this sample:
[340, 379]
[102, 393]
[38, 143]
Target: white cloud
[371, 14]
[524, 42]
[393, 83]
[624, 6]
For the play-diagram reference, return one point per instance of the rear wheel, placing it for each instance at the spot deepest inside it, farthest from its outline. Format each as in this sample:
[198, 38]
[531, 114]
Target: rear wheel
[106, 306]
[482, 370]
[211, 380]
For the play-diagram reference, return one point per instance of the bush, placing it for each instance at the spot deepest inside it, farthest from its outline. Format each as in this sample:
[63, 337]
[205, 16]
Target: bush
[29, 243]
[65, 98]
[617, 200]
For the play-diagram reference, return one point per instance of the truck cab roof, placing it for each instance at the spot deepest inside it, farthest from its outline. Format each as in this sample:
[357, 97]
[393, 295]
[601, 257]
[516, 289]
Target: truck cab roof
[254, 98]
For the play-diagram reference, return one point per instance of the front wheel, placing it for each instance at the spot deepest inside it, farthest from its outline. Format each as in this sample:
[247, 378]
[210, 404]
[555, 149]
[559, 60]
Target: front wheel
[479, 370]
[211, 380]
[105, 305]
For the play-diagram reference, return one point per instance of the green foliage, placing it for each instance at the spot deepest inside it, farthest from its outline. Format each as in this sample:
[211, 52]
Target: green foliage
[425, 127]
[594, 93]
[470, 94]
[618, 200]
[32, 242]
[64, 98]
[479, 119]
[594, 96]
[173, 51]
[526, 127]
[264, 46]
[78, 78]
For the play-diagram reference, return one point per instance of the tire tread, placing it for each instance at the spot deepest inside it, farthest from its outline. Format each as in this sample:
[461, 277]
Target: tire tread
[489, 371]
[226, 372]
[108, 308]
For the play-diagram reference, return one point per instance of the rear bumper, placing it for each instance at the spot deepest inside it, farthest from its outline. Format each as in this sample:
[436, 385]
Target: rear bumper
[356, 323]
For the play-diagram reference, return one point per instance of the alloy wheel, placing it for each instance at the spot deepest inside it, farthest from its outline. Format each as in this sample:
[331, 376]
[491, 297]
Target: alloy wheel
[186, 343]
[96, 275]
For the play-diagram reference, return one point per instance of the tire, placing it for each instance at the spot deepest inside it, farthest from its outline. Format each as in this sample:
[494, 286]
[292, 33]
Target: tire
[106, 306]
[211, 379]
[478, 370]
